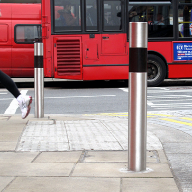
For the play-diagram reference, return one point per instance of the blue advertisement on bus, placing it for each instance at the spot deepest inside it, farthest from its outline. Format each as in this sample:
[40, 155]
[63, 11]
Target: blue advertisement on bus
[182, 51]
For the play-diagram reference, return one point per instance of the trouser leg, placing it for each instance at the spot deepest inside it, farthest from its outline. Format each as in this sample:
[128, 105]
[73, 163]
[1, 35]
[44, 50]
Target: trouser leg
[9, 84]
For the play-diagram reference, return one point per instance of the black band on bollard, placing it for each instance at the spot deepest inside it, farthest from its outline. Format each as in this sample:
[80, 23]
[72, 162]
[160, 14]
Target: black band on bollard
[138, 60]
[38, 61]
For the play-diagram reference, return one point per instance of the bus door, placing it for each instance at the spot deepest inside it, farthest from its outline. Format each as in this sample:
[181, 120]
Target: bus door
[5, 39]
[113, 40]
[105, 48]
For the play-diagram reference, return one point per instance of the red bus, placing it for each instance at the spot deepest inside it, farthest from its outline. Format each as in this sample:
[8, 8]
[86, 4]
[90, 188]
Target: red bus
[89, 40]
[20, 26]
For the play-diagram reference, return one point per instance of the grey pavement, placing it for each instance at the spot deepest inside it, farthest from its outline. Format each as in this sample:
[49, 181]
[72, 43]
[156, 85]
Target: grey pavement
[88, 153]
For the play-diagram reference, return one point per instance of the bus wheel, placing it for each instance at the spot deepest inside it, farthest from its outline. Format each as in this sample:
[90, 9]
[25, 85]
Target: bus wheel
[156, 70]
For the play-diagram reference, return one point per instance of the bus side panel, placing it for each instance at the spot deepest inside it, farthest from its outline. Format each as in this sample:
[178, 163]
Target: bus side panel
[5, 47]
[5, 39]
[23, 53]
[26, 11]
[102, 58]
[175, 70]
[180, 70]
[105, 73]
[164, 48]
[23, 61]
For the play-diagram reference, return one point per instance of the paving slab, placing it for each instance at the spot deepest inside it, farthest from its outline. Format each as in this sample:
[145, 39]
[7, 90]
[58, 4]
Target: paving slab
[36, 169]
[10, 157]
[8, 146]
[58, 184]
[4, 118]
[4, 181]
[162, 157]
[6, 126]
[58, 157]
[95, 145]
[149, 185]
[119, 170]
[68, 117]
[10, 136]
[115, 156]
[18, 120]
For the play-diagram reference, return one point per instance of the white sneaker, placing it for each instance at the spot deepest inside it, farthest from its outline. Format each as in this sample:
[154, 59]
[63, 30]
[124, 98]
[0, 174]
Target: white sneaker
[25, 106]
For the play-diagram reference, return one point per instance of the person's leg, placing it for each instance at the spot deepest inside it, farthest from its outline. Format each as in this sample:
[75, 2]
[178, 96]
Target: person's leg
[9, 84]
[23, 100]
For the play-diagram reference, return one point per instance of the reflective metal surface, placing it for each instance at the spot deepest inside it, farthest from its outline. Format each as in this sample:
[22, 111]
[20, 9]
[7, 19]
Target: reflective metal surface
[137, 121]
[39, 92]
[38, 49]
[39, 82]
[138, 34]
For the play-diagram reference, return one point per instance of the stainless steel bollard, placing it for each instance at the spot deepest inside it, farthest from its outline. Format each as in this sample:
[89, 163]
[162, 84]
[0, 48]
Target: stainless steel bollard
[39, 80]
[137, 134]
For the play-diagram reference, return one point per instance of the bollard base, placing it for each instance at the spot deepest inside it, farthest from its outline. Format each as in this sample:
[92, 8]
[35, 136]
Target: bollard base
[126, 170]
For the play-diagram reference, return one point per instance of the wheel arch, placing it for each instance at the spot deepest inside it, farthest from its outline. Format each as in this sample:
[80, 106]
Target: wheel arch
[162, 57]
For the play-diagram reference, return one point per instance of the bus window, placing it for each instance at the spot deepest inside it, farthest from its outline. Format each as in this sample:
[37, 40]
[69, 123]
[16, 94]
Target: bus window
[159, 18]
[27, 34]
[185, 21]
[67, 15]
[91, 15]
[112, 16]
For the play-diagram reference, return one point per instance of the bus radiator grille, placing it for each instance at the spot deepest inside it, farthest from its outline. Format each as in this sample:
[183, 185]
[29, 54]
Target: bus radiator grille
[68, 57]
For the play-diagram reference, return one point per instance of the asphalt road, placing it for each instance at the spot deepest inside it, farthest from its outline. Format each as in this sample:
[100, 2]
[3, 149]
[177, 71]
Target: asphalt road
[77, 97]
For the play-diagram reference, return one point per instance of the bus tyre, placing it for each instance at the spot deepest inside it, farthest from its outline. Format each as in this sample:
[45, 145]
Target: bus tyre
[156, 70]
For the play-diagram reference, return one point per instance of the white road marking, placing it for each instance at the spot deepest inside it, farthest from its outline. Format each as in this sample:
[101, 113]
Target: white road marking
[168, 91]
[150, 103]
[158, 88]
[124, 89]
[14, 105]
[170, 96]
[5, 99]
[169, 104]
